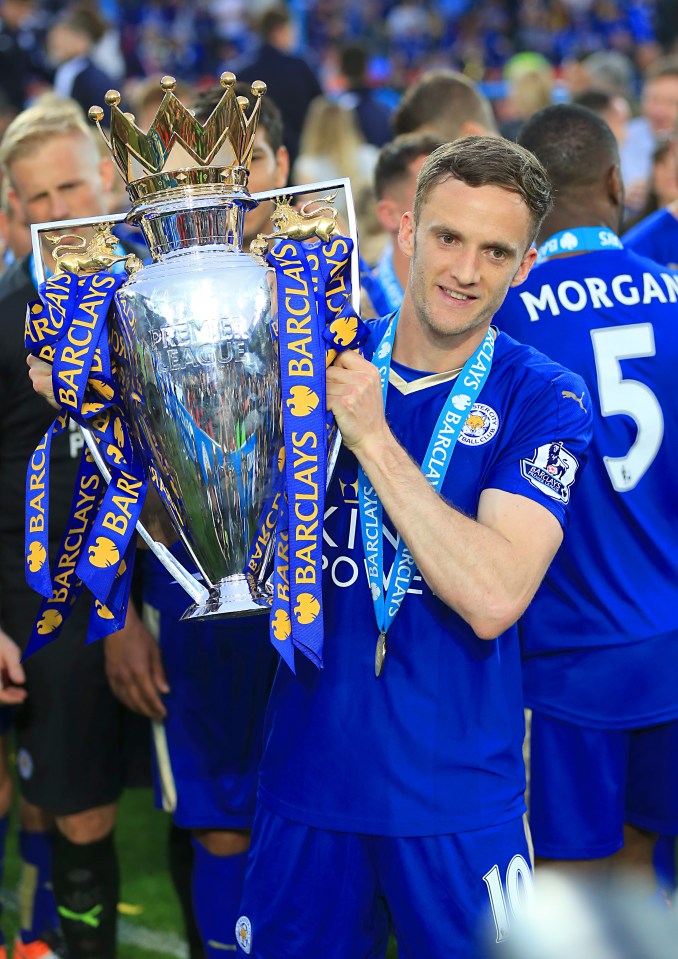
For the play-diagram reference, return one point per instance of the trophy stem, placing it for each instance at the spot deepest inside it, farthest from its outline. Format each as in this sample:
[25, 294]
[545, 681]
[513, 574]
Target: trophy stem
[192, 221]
[235, 595]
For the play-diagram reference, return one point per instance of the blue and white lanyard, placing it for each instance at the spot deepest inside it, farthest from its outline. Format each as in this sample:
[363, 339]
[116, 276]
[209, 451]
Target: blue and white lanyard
[462, 396]
[581, 239]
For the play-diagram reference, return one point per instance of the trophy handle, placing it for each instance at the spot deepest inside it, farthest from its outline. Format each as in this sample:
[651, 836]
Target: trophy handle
[196, 590]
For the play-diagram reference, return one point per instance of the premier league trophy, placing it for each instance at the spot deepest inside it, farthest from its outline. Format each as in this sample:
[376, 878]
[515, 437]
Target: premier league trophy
[195, 347]
[199, 367]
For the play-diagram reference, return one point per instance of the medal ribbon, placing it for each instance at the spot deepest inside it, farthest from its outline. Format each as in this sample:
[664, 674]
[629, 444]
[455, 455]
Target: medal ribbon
[68, 328]
[582, 239]
[464, 393]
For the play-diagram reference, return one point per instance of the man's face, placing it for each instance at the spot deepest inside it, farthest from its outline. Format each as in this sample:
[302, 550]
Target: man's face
[63, 44]
[660, 103]
[62, 179]
[469, 245]
[268, 171]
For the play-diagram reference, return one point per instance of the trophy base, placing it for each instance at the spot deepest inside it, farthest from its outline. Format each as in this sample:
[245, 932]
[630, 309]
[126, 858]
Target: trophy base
[233, 596]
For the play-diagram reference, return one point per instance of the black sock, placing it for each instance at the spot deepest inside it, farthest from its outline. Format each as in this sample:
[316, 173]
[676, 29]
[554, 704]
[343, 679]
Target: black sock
[180, 856]
[86, 880]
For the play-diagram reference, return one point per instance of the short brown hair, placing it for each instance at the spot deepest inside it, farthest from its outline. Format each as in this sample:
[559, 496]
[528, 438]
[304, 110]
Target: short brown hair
[396, 156]
[488, 161]
[442, 101]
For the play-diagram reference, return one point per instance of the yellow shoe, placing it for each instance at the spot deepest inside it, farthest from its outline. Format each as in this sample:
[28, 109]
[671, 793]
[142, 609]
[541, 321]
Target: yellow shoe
[37, 949]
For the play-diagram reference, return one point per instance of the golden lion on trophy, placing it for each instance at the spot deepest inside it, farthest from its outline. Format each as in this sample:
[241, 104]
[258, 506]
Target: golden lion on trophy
[299, 224]
[83, 257]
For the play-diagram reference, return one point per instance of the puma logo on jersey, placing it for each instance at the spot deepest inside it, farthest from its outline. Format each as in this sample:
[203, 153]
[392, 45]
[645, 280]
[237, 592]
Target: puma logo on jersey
[569, 395]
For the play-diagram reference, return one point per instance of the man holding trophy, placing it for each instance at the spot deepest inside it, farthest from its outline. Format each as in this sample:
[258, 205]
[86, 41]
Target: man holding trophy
[391, 787]
[395, 801]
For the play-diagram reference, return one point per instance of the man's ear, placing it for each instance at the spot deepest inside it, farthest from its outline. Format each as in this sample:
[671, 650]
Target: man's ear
[615, 187]
[406, 234]
[388, 215]
[525, 267]
[15, 203]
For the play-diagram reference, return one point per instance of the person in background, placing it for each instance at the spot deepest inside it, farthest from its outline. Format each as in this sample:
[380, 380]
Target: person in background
[395, 182]
[23, 68]
[446, 104]
[613, 108]
[372, 116]
[291, 82]
[599, 660]
[70, 42]
[70, 730]
[529, 79]
[659, 114]
[655, 235]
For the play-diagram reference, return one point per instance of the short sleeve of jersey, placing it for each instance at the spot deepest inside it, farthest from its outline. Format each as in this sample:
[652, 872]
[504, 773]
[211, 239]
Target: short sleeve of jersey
[655, 237]
[547, 433]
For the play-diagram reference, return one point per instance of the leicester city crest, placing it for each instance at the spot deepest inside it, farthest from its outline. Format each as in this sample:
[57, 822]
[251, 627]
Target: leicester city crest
[481, 425]
[243, 934]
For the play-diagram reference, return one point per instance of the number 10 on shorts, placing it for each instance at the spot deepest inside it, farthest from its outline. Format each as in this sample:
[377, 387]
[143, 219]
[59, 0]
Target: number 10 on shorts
[519, 893]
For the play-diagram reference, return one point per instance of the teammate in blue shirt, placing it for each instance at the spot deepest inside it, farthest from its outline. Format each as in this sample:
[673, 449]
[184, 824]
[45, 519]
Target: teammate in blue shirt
[395, 180]
[600, 638]
[656, 236]
[395, 800]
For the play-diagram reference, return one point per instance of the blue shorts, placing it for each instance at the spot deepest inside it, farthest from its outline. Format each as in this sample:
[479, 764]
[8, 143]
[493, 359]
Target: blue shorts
[313, 893]
[586, 783]
[208, 748]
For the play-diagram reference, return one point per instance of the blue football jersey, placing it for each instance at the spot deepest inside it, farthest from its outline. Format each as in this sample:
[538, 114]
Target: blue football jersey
[655, 237]
[600, 638]
[434, 744]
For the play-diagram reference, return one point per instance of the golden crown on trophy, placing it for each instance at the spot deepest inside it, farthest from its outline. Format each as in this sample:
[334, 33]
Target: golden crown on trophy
[179, 151]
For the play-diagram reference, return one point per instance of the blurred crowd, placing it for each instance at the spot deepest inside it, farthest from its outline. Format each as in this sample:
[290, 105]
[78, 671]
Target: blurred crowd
[351, 62]
[196, 38]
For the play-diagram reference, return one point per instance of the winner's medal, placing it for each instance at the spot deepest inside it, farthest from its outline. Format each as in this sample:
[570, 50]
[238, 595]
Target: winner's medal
[449, 425]
[380, 654]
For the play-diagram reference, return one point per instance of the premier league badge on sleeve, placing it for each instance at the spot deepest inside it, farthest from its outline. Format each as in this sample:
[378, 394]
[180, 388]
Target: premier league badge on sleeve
[552, 470]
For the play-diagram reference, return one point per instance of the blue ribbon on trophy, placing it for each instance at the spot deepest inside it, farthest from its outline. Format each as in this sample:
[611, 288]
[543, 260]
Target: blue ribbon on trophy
[65, 585]
[97, 550]
[315, 320]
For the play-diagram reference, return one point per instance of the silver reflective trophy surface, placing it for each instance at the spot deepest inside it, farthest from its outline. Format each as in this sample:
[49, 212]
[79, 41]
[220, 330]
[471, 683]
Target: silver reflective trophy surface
[196, 359]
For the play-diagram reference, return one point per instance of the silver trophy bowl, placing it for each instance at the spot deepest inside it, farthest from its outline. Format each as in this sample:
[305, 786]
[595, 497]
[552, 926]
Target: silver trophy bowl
[198, 368]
